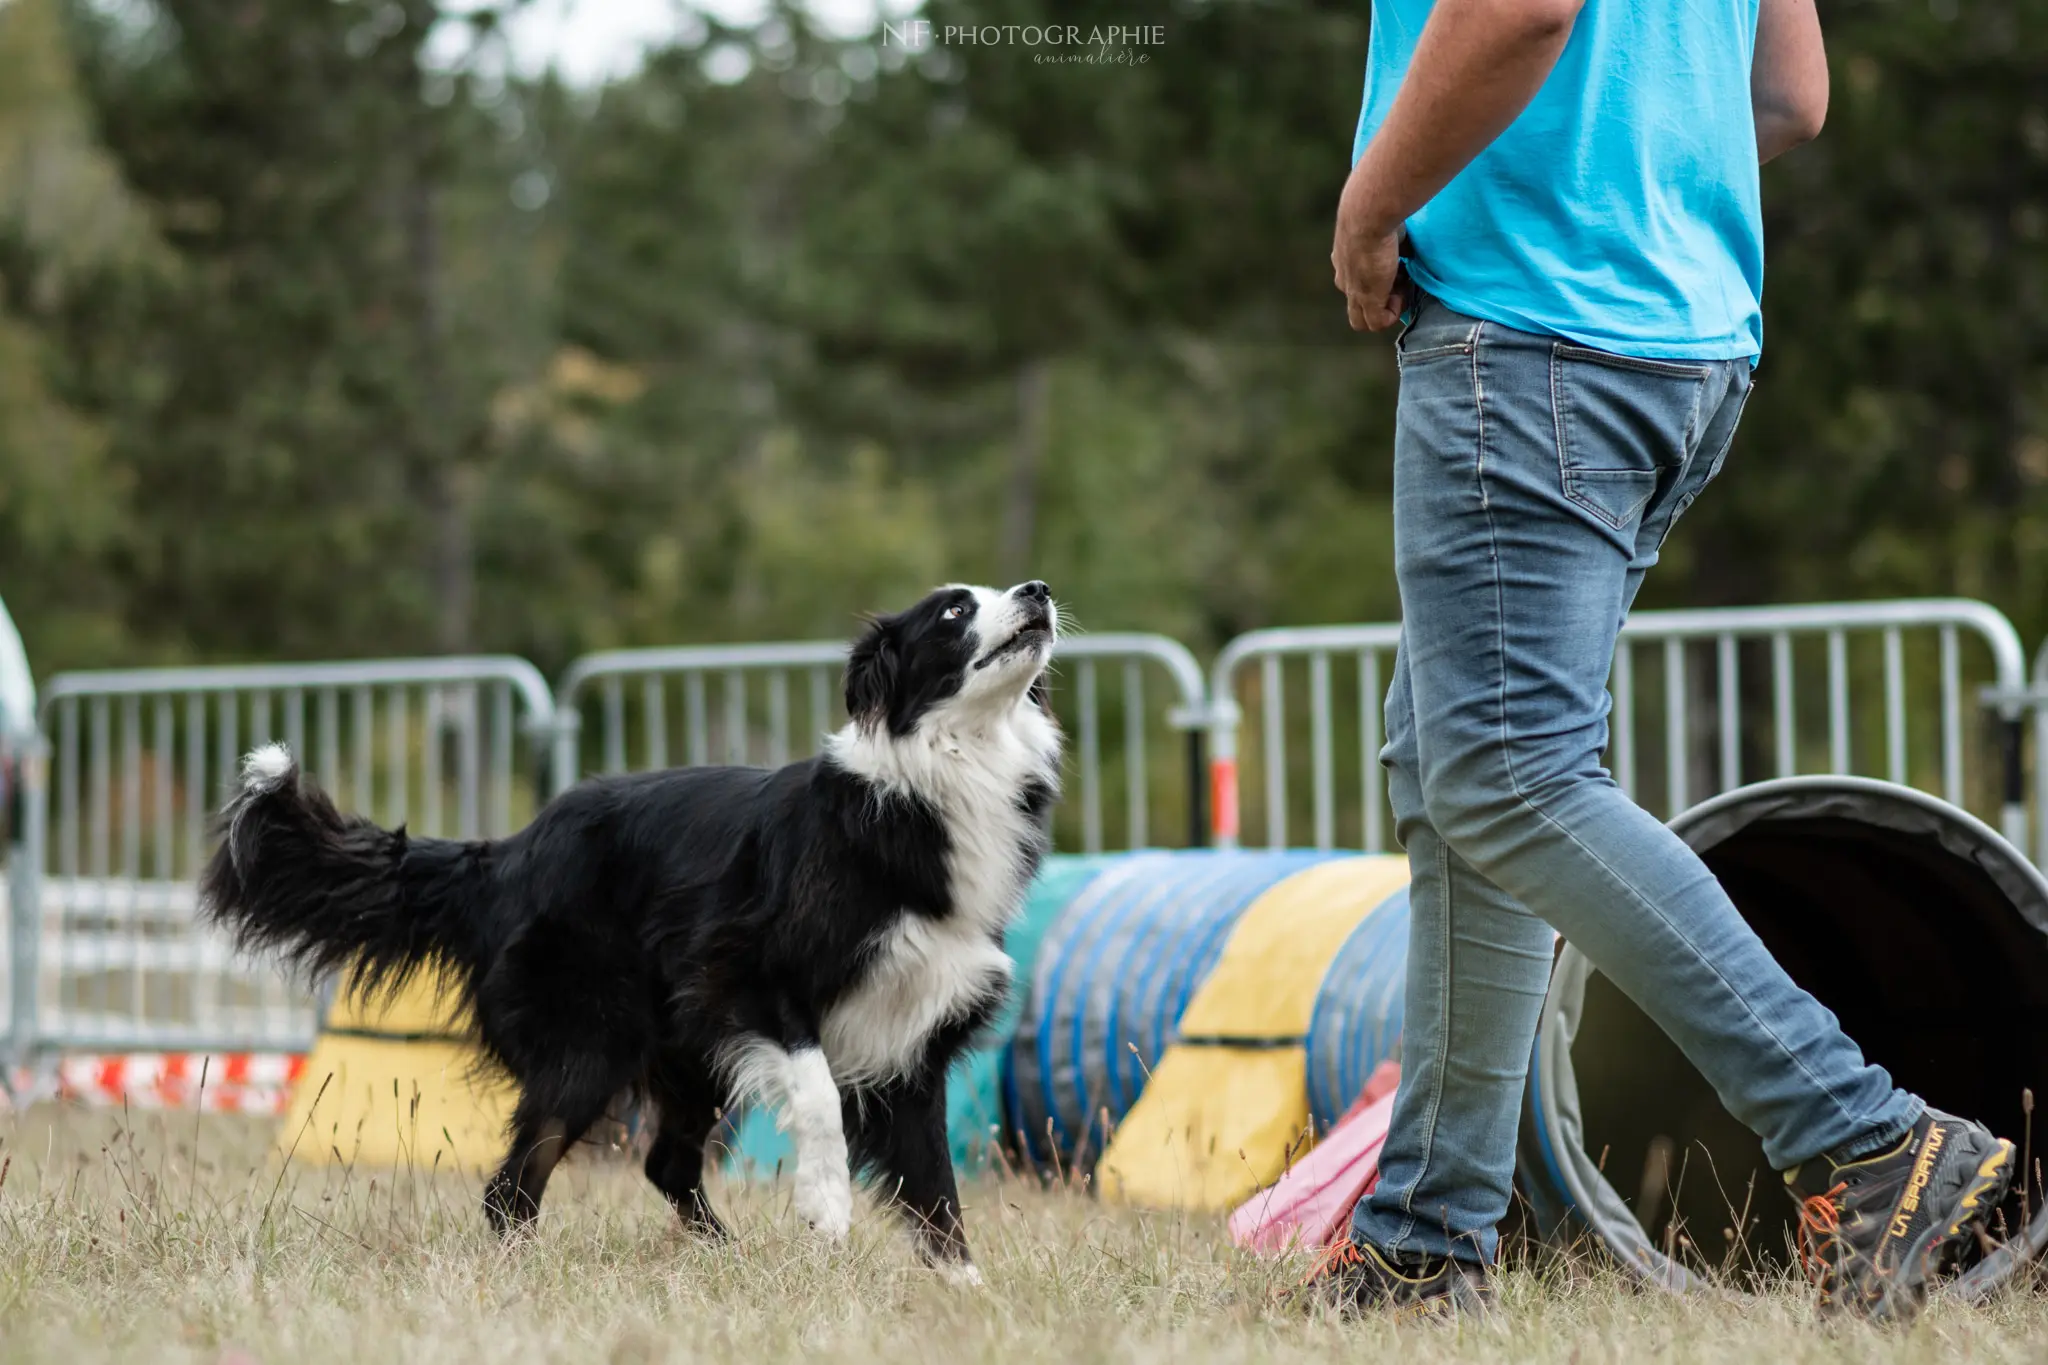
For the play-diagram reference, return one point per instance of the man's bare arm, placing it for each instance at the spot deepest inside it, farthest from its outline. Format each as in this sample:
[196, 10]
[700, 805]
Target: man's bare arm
[1788, 80]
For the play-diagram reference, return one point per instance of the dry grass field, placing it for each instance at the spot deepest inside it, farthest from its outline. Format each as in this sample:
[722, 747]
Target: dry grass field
[180, 1238]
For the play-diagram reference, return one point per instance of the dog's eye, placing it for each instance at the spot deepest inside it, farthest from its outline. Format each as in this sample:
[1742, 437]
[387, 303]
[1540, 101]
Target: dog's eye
[953, 613]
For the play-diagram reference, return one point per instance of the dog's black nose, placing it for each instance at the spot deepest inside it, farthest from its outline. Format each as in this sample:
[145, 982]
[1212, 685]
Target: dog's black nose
[1034, 591]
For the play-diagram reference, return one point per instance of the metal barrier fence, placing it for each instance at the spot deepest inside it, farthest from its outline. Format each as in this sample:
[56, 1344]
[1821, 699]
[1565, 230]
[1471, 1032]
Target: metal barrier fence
[1742, 663]
[646, 708]
[103, 951]
[108, 953]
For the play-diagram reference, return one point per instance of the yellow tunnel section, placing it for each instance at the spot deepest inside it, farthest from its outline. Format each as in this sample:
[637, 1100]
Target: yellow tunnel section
[397, 1083]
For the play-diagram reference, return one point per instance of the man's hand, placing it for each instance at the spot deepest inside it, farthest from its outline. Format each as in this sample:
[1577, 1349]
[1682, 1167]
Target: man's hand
[1367, 259]
[1477, 65]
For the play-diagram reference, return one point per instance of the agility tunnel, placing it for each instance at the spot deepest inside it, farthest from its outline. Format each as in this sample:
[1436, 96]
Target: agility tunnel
[1116, 973]
[396, 1082]
[1230, 1104]
[1918, 925]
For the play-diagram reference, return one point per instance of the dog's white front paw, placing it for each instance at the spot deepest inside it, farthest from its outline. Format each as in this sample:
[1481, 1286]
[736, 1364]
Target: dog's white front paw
[824, 1199]
[961, 1274]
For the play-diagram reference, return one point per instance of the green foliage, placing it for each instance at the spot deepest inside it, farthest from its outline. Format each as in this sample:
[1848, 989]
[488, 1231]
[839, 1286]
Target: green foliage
[326, 349]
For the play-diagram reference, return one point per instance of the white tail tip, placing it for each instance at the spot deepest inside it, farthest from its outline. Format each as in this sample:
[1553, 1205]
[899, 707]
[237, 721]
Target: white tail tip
[267, 767]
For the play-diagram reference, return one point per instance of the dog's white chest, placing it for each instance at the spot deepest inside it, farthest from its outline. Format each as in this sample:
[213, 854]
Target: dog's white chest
[925, 975]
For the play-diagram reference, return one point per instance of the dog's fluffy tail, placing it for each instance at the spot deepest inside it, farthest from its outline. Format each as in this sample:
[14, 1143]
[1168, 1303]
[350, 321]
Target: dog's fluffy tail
[333, 892]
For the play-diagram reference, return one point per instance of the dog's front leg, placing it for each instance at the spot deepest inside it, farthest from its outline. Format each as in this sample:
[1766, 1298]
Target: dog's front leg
[796, 1082]
[824, 1183]
[904, 1142]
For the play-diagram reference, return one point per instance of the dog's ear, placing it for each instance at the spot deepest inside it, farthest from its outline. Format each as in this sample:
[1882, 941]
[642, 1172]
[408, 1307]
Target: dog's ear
[871, 673]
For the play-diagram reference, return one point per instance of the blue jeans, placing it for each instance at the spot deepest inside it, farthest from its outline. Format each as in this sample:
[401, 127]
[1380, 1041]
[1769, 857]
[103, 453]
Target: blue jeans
[1534, 482]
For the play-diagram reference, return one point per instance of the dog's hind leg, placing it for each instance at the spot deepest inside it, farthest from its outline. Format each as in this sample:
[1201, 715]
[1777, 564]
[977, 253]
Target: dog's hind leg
[544, 1127]
[900, 1137]
[798, 1082]
[689, 1110]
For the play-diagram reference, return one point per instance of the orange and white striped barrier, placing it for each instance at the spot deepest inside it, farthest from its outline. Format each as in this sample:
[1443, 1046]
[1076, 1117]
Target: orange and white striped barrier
[217, 1082]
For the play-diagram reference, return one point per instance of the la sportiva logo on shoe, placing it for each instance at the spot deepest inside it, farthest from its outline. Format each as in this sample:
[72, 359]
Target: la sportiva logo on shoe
[1916, 1185]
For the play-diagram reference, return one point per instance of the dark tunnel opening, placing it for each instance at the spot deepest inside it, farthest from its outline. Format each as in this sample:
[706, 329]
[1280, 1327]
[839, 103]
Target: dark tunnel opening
[1918, 951]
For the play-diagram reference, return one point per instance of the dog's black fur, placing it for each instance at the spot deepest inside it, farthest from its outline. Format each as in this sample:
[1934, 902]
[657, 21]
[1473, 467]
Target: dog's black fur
[643, 927]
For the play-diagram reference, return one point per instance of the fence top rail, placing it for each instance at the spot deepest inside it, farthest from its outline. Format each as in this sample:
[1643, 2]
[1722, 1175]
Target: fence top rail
[520, 675]
[1169, 653]
[1985, 620]
[618, 663]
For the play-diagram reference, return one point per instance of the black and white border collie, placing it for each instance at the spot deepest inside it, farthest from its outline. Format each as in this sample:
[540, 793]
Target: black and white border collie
[824, 938]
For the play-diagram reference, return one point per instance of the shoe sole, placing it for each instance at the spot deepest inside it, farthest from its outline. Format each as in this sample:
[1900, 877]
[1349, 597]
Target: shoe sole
[1985, 1190]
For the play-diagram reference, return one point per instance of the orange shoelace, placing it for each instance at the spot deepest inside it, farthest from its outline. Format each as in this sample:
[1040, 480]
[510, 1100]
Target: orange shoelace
[1819, 1217]
[1336, 1256]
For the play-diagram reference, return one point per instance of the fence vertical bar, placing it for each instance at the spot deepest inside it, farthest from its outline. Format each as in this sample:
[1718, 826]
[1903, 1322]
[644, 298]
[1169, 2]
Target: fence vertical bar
[654, 716]
[1320, 747]
[197, 806]
[614, 726]
[1894, 706]
[1728, 667]
[295, 725]
[1274, 703]
[498, 820]
[778, 718]
[1677, 774]
[1951, 719]
[399, 778]
[821, 707]
[696, 723]
[227, 745]
[131, 788]
[100, 799]
[1371, 781]
[164, 733]
[1838, 702]
[67, 786]
[327, 721]
[469, 764]
[1783, 724]
[362, 792]
[735, 693]
[1091, 760]
[1137, 790]
[432, 723]
[131, 846]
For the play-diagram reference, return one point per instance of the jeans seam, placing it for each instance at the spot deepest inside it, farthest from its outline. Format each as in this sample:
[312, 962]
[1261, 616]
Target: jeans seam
[1443, 1054]
[1479, 416]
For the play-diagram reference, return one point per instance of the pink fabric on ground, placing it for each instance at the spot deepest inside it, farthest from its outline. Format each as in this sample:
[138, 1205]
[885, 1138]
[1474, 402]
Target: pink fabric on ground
[1310, 1206]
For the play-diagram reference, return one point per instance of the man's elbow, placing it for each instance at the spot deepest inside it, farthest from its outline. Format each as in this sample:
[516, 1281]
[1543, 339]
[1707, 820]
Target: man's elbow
[1796, 121]
[1804, 119]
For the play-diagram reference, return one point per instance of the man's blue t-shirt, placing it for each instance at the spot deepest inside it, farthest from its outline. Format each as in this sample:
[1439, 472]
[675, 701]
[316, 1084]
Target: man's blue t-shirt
[1620, 210]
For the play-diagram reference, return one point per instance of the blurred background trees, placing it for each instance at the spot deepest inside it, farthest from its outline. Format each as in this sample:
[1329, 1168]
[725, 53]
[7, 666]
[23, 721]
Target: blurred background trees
[317, 340]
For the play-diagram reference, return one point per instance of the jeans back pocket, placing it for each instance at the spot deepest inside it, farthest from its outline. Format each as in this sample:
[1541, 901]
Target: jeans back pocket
[1624, 426]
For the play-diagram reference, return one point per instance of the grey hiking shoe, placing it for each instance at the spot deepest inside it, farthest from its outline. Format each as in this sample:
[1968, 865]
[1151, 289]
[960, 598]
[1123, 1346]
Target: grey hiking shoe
[1359, 1279]
[1874, 1233]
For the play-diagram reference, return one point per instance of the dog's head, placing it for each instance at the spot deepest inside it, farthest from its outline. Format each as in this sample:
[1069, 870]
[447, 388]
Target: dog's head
[962, 649]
